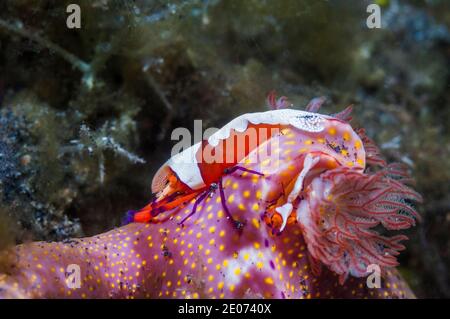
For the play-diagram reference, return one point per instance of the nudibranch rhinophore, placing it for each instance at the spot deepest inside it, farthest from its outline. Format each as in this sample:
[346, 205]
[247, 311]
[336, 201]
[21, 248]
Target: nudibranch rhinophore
[278, 204]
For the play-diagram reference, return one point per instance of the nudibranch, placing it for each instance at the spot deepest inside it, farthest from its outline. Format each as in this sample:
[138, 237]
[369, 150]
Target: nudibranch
[294, 214]
[328, 191]
[198, 170]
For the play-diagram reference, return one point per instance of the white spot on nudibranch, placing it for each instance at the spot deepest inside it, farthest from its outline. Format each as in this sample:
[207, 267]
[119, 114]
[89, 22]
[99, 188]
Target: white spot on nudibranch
[309, 123]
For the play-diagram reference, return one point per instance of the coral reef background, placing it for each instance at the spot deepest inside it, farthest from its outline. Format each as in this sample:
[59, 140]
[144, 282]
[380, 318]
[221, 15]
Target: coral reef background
[81, 110]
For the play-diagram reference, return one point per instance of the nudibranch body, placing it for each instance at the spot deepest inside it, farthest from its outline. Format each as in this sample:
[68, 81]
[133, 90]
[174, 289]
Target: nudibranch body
[165, 261]
[299, 200]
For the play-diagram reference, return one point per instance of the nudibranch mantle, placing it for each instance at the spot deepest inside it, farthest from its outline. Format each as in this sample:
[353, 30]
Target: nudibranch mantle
[302, 120]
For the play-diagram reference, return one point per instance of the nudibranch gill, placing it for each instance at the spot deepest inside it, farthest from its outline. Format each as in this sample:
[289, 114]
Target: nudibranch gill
[296, 214]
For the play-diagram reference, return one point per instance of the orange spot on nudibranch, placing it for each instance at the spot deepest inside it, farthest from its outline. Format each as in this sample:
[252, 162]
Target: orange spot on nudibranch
[332, 131]
[346, 136]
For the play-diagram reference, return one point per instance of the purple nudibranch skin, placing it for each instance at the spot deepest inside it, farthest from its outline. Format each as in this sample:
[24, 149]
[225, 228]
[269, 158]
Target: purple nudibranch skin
[131, 262]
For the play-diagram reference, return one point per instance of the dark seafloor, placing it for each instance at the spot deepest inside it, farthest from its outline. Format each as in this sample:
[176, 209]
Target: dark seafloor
[81, 109]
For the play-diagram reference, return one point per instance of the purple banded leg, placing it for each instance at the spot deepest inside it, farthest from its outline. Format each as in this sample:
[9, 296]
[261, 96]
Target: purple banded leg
[240, 168]
[194, 209]
[222, 197]
[239, 225]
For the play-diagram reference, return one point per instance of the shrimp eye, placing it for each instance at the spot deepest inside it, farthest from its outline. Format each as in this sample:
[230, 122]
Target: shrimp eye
[172, 180]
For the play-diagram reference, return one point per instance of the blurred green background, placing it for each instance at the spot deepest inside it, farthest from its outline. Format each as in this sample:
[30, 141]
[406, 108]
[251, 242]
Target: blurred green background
[80, 108]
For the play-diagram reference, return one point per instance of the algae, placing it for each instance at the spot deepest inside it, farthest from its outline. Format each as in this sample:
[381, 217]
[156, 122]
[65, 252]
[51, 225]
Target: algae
[82, 109]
